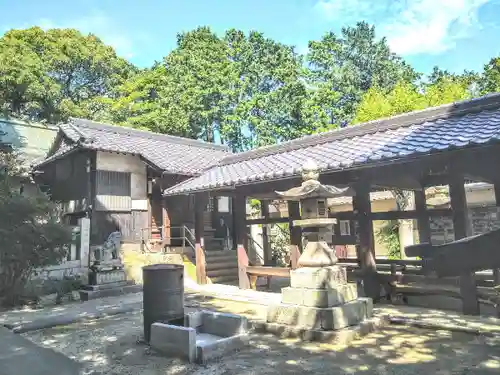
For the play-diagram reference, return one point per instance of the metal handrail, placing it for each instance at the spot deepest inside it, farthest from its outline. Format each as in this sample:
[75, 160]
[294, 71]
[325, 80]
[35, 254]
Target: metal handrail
[258, 244]
[187, 236]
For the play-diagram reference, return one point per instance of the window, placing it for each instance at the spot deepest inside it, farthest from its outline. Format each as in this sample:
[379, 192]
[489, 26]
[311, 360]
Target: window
[113, 183]
[223, 204]
[345, 227]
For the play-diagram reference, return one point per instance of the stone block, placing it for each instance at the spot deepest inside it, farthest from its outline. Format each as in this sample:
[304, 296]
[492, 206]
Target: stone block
[174, 340]
[210, 350]
[194, 319]
[318, 278]
[110, 276]
[343, 316]
[320, 297]
[369, 305]
[222, 324]
[330, 318]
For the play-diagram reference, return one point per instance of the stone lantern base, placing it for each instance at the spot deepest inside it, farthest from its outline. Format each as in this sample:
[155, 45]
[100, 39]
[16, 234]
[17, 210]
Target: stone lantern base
[320, 300]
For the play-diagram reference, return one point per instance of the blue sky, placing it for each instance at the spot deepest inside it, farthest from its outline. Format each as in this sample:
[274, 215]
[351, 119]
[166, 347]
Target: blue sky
[454, 34]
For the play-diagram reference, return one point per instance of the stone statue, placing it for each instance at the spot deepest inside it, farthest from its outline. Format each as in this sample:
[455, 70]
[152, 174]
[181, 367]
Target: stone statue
[107, 255]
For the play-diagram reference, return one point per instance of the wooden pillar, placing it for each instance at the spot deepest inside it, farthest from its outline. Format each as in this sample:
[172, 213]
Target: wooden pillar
[295, 232]
[461, 228]
[264, 207]
[423, 224]
[496, 271]
[240, 234]
[166, 224]
[200, 201]
[365, 248]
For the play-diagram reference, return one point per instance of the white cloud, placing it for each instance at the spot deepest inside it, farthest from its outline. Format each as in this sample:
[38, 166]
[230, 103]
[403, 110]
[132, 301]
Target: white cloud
[100, 25]
[413, 26]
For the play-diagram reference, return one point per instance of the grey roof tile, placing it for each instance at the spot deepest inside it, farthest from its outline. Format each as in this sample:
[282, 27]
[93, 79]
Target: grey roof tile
[168, 153]
[446, 127]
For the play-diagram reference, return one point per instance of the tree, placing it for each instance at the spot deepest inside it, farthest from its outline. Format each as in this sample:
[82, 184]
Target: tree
[51, 75]
[31, 236]
[343, 68]
[266, 94]
[148, 100]
[490, 79]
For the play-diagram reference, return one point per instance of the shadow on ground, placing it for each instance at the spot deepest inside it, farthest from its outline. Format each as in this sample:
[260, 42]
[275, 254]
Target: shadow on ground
[110, 346]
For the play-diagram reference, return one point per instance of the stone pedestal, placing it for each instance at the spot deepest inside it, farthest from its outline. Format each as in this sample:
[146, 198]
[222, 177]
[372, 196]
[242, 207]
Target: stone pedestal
[320, 299]
[106, 282]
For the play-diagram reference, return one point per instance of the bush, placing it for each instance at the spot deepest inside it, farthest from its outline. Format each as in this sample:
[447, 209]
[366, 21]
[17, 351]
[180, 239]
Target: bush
[389, 236]
[31, 235]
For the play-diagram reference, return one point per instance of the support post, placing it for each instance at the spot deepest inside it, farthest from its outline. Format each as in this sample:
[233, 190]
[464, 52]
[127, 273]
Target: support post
[365, 248]
[264, 208]
[295, 232]
[166, 224]
[496, 271]
[461, 228]
[423, 224]
[239, 217]
[200, 201]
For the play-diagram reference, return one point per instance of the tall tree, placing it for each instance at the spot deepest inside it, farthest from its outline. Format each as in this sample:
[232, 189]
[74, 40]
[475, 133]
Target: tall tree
[343, 68]
[266, 95]
[50, 75]
[148, 100]
[197, 74]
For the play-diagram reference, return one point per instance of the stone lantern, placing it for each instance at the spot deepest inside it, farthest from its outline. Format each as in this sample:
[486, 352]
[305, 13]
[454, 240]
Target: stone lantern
[313, 197]
[319, 301]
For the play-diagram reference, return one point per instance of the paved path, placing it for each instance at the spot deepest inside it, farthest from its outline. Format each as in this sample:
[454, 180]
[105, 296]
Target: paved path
[27, 320]
[31, 319]
[20, 356]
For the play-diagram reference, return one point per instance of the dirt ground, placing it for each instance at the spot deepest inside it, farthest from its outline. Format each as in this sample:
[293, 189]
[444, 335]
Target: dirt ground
[110, 346]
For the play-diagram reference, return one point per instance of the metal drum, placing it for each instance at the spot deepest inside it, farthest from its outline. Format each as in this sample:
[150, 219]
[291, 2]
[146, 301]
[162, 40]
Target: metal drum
[163, 295]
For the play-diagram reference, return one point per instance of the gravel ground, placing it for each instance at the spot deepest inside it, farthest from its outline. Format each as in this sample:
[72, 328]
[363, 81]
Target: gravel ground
[110, 346]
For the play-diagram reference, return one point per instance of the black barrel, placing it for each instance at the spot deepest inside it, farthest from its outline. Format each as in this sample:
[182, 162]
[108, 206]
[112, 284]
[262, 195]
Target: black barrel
[163, 295]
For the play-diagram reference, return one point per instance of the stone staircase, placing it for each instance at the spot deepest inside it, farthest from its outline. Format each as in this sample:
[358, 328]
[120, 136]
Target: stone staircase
[222, 266]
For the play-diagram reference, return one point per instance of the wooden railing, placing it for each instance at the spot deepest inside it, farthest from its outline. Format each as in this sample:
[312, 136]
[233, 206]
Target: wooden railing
[407, 277]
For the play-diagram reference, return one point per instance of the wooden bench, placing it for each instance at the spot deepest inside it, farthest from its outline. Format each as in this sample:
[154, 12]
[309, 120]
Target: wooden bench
[254, 272]
[248, 274]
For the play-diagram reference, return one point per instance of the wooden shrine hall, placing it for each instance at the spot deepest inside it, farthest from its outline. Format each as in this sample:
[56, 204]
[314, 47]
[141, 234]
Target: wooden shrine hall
[446, 145]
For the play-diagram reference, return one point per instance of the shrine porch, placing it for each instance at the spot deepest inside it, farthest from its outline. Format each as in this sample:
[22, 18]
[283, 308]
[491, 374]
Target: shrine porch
[408, 154]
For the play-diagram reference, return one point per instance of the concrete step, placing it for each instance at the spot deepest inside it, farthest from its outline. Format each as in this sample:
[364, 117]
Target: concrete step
[86, 295]
[231, 263]
[223, 272]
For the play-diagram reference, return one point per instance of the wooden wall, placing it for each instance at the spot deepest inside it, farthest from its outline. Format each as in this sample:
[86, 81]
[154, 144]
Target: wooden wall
[120, 197]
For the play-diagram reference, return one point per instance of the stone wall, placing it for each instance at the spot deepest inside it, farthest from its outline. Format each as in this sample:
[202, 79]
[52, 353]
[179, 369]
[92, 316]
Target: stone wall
[134, 260]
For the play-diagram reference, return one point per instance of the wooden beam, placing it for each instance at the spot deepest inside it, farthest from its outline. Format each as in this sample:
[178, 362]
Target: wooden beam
[200, 202]
[423, 224]
[295, 232]
[462, 229]
[264, 207]
[365, 249]
[240, 233]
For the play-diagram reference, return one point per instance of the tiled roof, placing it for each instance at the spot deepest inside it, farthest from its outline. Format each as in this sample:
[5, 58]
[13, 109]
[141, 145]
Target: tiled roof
[168, 153]
[450, 126]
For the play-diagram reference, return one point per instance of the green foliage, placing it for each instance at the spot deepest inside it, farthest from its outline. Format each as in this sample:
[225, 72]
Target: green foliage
[242, 89]
[279, 242]
[51, 75]
[343, 68]
[388, 234]
[30, 234]
[406, 97]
